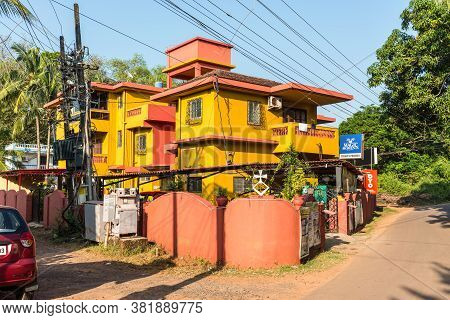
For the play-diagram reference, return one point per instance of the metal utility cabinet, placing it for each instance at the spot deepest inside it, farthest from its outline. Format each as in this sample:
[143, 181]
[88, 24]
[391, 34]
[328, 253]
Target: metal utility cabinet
[121, 209]
[93, 220]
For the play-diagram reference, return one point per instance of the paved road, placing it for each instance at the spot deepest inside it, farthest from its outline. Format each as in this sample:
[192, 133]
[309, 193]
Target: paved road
[410, 259]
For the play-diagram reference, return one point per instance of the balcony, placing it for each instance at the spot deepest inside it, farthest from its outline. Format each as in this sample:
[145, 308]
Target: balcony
[100, 158]
[100, 162]
[317, 140]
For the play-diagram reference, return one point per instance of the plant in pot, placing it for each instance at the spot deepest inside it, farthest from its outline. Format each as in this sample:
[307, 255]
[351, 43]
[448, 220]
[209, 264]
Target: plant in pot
[297, 182]
[221, 197]
[293, 170]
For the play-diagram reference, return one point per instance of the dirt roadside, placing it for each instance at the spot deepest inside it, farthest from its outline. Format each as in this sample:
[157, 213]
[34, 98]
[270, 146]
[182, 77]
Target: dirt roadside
[73, 272]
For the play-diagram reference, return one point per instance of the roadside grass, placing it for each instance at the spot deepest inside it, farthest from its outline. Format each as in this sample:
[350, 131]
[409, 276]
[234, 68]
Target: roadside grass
[323, 261]
[153, 256]
[377, 216]
[148, 256]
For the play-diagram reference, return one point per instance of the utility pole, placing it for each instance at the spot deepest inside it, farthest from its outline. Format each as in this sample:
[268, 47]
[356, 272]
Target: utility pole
[85, 105]
[76, 106]
[66, 112]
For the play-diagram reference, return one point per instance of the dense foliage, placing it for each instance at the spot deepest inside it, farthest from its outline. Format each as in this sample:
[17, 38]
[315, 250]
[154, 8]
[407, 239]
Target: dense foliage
[414, 66]
[411, 125]
[293, 170]
[131, 70]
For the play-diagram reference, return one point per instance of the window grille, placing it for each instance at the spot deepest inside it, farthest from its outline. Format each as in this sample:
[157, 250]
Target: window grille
[254, 113]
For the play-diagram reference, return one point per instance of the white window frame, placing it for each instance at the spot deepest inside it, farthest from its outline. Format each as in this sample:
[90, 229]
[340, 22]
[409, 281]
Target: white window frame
[244, 183]
[195, 109]
[254, 113]
[119, 138]
[141, 147]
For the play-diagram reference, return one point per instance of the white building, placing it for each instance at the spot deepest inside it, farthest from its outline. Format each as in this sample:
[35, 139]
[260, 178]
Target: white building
[27, 155]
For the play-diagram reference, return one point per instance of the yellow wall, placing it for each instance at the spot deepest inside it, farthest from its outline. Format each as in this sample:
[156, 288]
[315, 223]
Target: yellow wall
[226, 114]
[131, 126]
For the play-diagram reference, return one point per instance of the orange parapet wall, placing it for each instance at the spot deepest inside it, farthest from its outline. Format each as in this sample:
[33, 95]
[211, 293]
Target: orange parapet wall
[195, 57]
[255, 232]
[185, 225]
[261, 233]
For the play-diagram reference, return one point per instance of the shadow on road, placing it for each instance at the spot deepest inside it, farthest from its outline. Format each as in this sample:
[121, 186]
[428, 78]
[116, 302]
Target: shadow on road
[66, 279]
[162, 291]
[444, 278]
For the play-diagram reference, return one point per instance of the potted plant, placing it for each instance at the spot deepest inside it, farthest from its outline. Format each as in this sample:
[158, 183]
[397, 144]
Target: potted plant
[297, 182]
[221, 197]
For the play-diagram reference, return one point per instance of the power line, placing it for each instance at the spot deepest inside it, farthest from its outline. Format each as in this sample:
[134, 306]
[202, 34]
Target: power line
[302, 50]
[57, 17]
[268, 67]
[46, 46]
[124, 34]
[12, 31]
[323, 54]
[24, 39]
[324, 38]
[278, 49]
[273, 56]
[40, 22]
[145, 44]
[419, 115]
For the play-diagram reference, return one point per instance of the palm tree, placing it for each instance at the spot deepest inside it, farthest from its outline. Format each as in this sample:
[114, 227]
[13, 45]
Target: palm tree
[29, 87]
[15, 8]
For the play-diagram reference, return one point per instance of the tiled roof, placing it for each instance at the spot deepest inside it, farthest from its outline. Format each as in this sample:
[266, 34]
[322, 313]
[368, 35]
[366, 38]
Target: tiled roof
[235, 76]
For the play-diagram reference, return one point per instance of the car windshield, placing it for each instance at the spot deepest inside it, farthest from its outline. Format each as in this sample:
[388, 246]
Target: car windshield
[10, 221]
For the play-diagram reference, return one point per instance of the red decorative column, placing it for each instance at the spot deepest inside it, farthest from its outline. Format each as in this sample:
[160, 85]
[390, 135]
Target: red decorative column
[343, 216]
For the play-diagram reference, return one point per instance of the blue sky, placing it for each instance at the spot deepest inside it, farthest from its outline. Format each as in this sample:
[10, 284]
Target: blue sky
[355, 27]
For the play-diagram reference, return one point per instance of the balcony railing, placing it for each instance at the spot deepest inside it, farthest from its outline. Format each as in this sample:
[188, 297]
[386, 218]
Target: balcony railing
[26, 147]
[100, 159]
[318, 139]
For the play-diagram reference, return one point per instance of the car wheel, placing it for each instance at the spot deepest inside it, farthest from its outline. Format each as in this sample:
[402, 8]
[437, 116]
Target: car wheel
[23, 295]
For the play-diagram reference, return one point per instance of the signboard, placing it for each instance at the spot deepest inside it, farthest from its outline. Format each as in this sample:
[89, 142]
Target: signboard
[369, 159]
[371, 181]
[351, 146]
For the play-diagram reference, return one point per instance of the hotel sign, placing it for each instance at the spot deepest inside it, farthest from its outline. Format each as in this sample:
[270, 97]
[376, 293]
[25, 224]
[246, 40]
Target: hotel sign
[351, 146]
[371, 181]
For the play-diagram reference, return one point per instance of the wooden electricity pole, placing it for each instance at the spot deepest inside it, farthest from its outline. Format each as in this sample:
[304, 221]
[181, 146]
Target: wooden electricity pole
[76, 103]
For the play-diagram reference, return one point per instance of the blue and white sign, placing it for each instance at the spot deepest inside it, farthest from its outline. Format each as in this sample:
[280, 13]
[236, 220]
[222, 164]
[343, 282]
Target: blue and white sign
[351, 146]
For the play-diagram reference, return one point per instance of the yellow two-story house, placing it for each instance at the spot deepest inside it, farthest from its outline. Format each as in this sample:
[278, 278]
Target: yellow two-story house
[129, 130]
[225, 118]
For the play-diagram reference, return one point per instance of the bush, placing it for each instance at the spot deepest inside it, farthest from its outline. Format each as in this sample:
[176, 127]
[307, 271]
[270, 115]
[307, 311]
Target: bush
[390, 183]
[419, 177]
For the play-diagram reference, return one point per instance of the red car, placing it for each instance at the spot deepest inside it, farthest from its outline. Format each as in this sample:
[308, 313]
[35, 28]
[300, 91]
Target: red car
[18, 268]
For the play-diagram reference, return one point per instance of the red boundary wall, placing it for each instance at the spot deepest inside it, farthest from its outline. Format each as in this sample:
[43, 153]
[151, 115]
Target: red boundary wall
[368, 201]
[186, 225]
[21, 200]
[257, 232]
[261, 232]
[54, 204]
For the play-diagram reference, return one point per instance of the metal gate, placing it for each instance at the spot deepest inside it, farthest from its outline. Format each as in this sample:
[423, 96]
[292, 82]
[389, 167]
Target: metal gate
[38, 196]
[331, 223]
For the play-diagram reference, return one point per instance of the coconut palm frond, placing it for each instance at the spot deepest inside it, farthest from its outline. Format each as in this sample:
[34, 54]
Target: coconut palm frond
[15, 8]
[10, 157]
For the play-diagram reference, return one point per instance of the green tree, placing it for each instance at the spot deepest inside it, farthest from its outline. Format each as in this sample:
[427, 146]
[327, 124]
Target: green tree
[135, 70]
[379, 130]
[293, 170]
[98, 71]
[414, 66]
[11, 8]
[28, 87]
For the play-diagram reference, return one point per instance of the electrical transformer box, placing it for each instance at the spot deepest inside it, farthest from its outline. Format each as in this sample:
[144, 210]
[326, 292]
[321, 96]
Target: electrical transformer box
[93, 221]
[121, 208]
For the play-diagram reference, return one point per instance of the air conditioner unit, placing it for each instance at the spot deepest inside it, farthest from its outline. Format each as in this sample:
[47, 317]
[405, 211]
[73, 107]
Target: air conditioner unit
[75, 109]
[274, 103]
